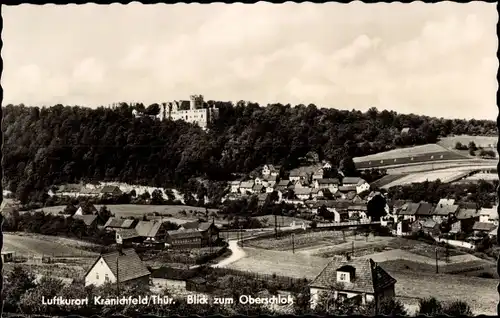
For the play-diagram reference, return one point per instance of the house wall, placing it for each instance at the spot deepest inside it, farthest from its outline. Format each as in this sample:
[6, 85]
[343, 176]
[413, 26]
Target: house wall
[234, 188]
[316, 295]
[362, 188]
[485, 218]
[97, 275]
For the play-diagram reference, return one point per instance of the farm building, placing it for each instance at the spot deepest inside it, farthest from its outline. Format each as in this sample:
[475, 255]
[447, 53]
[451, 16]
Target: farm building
[258, 188]
[456, 227]
[189, 225]
[424, 210]
[152, 231]
[191, 238]
[358, 212]
[467, 218]
[303, 193]
[443, 211]
[355, 279]
[116, 223]
[408, 211]
[360, 184]
[111, 190]
[318, 174]
[484, 228]
[124, 266]
[90, 220]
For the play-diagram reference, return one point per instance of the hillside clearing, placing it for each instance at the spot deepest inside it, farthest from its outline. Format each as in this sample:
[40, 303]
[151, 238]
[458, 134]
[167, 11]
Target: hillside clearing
[403, 152]
[480, 141]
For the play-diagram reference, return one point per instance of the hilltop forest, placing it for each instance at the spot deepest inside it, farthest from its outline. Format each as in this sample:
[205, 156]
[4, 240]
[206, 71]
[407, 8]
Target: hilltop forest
[47, 146]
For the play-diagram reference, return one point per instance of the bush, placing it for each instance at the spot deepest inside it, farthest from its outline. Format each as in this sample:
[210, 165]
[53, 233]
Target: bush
[457, 308]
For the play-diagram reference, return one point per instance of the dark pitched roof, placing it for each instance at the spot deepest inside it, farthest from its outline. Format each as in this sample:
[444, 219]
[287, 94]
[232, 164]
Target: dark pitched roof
[409, 208]
[181, 234]
[258, 187]
[483, 226]
[424, 208]
[191, 225]
[429, 224]
[88, 219]
[368, 278]
[114, 223]
[205, 226]
[445, 209]
[109, 188]
[464, 214]
[127, 223]
[351, 195]
[247, 184]
[129, 266]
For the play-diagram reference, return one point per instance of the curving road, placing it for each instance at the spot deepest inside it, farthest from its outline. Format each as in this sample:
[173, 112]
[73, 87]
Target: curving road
[237, 253]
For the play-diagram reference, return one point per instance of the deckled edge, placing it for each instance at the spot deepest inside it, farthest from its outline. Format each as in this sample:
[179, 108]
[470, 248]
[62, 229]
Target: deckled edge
[1, 163]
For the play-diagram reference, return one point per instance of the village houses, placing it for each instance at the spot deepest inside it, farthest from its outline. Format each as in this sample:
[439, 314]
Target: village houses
[360, 184]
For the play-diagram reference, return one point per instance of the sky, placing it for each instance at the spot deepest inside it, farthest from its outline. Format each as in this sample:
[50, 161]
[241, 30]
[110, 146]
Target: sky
[429, 59]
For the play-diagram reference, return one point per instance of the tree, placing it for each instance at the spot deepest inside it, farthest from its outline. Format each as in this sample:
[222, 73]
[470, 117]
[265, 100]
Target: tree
[348, 167]
[104, 213]
[17, 283]
[457, 309]
[472, 146]
[376, 207]
[430, 307]
[157, 197]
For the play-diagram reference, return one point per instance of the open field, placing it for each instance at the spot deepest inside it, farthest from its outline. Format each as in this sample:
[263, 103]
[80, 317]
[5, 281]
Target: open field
[127, 210]
[480, 141]
[402, 153]
[462, 165]
[482, 176]
[385, 180]
[28, 245]
[445, 175]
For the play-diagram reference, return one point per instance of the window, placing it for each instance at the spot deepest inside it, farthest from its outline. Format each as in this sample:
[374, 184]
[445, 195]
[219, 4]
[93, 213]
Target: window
[106, 278]
[343, 277]
[97, 276]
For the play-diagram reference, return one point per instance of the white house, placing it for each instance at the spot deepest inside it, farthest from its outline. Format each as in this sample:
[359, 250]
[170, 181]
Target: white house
[235, 186]
[124, 265]
[327, 165]
[361, 184]
[92, 210]
[258, 181]
[359, 280]
[488, 215]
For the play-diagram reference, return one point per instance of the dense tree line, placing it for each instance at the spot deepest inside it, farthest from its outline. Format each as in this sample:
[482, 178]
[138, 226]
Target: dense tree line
[46, 146]
[483, 193]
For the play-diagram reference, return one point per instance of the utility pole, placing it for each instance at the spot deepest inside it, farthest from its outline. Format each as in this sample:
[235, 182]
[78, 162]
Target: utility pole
[119, 247]
[437, 268]
[276, 226]
[352, 249]
[293, 243]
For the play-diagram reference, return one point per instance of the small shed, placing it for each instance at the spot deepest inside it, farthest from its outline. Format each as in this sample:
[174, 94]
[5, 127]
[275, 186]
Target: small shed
[7, 257]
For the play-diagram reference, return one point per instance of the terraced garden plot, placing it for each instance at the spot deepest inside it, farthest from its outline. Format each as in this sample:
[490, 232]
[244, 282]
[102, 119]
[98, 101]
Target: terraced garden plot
[301, 241]
[402, 152]
[445, 176]
[385, 180]
[458, 165]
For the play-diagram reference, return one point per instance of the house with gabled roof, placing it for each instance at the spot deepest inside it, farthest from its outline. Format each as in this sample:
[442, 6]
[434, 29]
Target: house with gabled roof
[488, 215]
[331, 184]
[360, 184]
[360, 279]
[424, 210]
[258, 188]
[191, 238]
[247, 186]
[431, 227]
[114, 223]
[408, 211]
[483, 227]
[86, 209]
[467, 218]
[90, 220]
[318, 174]
[443, 211]
[111, 190]
[303, 193]
[124, 266]
[234, 186]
